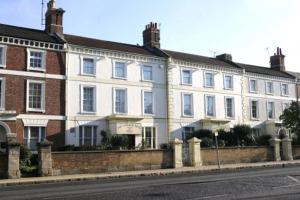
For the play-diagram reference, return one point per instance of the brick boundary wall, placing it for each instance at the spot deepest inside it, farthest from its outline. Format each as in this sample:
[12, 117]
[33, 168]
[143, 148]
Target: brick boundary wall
[234, 155]
[109, 161]
[3, 165]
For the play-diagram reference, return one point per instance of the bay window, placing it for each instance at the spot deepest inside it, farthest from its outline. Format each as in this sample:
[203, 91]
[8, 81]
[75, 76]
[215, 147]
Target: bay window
[87, 135]
[34, 135]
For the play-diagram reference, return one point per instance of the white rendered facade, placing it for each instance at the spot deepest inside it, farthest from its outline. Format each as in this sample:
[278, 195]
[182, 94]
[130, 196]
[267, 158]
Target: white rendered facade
[105, 116]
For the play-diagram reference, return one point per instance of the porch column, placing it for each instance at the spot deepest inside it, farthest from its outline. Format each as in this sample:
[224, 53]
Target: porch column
[275, 143]
[195, 152]
[13, 157]
[287, 149]
[45, 158]
[177, 160]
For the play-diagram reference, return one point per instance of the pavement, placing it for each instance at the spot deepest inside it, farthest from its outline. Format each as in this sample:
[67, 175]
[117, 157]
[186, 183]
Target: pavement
[156, 172]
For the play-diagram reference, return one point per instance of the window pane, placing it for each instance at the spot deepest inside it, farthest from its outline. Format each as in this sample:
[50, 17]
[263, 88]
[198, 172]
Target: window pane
[284, 89]
[88, 66]
[148, 137]
[33, 135]
[228, 82]
[209, 79]
[120, 69]
[148, 103]
[269, 87]
[147, 73]
[187, 104]
[120, 101]
[88, 99]
[1, 56]
[210, 106]
[186, 77]
[229, 107]
[35, 95]
[36, 59]
[252, 85]
[270, 108]
[254, 108]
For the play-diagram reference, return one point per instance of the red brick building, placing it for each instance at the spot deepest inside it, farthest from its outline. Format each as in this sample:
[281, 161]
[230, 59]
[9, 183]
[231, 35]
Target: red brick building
[32, 82]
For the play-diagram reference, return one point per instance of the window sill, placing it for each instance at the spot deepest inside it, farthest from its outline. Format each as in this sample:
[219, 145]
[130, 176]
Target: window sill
[148, 81]
[87, 113]
[254, 119]
[271, 94]
[148, 115]
[2, 66]
[228, 88]
[120, 78]
[254, 92]
[187, 84]
[36, 69]
[284, 95]
[187, 116]
[35, 110]
[90, 75]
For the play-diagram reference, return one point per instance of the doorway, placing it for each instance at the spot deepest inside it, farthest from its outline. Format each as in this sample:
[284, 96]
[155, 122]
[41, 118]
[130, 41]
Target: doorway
[4, 130]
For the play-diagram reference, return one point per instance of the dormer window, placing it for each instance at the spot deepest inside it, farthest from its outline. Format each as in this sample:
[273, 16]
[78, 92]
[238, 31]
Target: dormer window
[36, 60]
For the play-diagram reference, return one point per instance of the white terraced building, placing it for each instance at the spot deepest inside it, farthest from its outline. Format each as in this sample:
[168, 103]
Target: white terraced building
[158, 95]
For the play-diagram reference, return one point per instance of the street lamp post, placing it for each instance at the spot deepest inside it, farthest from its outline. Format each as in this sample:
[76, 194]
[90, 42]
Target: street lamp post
[217, 148]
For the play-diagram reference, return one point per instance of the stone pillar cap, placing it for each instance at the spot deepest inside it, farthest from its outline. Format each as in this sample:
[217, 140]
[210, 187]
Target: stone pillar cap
[178, 141]
[194, 139]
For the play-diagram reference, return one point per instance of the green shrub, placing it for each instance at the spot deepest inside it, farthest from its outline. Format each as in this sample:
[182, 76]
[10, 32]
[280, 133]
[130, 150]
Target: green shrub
[28, 162]
[263, 140]
[202, 133]
[207, 142]
[166, 146]
[242, 133]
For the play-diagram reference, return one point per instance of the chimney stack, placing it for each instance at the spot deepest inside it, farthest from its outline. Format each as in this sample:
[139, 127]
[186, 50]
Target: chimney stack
[54, 19]
[151, 36]
[277, 60]
[224, 57]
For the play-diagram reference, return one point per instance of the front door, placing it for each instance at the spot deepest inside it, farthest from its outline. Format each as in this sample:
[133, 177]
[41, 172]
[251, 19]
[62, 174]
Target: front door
[131, 141]
[2, 139]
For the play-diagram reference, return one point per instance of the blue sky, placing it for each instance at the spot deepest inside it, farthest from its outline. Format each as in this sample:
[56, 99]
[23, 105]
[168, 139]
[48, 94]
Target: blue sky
[244, 28]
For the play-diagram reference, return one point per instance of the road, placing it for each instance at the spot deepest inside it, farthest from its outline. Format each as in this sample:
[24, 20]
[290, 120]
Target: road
[263, 183]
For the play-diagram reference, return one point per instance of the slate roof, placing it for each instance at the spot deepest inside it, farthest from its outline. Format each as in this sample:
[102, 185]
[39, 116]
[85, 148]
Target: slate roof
[296, 74]
[27, 33]
[116, 46]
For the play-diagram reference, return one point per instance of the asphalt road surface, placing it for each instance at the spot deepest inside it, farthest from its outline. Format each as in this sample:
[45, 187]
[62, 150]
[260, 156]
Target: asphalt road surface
[266, 183]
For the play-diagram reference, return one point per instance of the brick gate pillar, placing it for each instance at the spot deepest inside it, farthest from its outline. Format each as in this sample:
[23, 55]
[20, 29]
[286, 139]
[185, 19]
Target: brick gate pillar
[45, 158]
[275, 143]
[287, 149]
[195, 152]
[13, 157]
[177, 160]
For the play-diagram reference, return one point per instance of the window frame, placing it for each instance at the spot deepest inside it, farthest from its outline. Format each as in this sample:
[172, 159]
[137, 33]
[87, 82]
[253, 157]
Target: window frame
[233, 107]
[2, 95]
[256, 85]
[214, 105]
[283, 105]
[93, 134]
[125, 69]
[39, 139]
[143, 77]
[143, 102]
[224, 81]
[273, 110]
[183, 104]
[266, 88]
[281, 89]
[153, 140]
[82, 66]
[257, 110]
[43, 98]
[191, 76]
[4, 49]
[43, 68]
[213, 79]
[82, 86]
[114, 101]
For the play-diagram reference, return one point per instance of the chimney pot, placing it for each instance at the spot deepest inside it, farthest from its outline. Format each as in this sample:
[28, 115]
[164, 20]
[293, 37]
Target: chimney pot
[54, 19]
[151, 35]
[277, 60]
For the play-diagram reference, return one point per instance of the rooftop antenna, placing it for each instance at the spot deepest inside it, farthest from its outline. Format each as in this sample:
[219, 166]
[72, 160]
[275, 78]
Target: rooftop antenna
[267, 50]
[214, 53]
[42, 15]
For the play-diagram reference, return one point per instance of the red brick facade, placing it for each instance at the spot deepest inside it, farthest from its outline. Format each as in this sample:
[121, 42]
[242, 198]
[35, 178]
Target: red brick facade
[16, 91]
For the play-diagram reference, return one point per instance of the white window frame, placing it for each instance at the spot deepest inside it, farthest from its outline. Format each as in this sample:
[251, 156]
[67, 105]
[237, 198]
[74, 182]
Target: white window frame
[92, 135]
[205, 104]
[266, 87]
[2, 95]
[192, 104]
[281, 88]
[152, 146]
[143, 103]
[42, 109]
[114, 101]
[224, 81]
[125, 70]
[82, 66]
[4, 47]
[213, 79]
[233, 107]
[142, 69]
[257, 110]
[256, 85]
[191, 76]
[82, 86]
[273, 117]
[29, 134]
[43, 68]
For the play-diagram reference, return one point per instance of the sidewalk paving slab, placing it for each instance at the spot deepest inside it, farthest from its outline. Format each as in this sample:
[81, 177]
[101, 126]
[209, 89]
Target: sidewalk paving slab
[156, 172]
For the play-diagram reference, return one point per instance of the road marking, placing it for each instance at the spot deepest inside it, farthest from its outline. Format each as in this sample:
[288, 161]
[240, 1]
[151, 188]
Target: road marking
[294, 179]
[208, 197]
